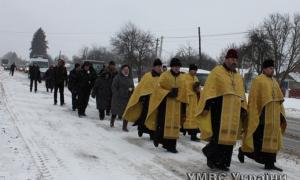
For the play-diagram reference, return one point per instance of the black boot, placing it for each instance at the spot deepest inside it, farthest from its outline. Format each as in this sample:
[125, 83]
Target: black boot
[195, 138]
[125, 126]
[101, 115]
[112, 121]
[271, 166]
[241, 156]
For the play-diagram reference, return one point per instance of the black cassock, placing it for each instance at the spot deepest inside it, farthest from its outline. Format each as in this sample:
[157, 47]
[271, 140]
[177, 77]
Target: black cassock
[141, 120]
[257, 155]
[218, 154]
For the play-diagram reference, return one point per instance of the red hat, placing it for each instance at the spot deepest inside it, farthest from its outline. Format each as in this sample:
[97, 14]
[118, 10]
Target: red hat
[231, 53]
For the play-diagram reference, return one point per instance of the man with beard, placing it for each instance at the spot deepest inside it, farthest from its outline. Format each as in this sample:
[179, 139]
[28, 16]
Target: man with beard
[102, 89]
[73, 85]
[85, 84]
[122, 88]
[192, 90]
[137, 107]
[165, 108]
[266, 120]
[219, 111]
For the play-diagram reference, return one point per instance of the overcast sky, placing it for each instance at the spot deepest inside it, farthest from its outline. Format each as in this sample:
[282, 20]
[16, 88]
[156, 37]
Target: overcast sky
[72, 24]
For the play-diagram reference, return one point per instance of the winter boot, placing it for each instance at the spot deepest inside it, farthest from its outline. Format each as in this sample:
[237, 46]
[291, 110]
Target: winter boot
[112, 121]
[125, 126]
[271, 166]
[241, 156]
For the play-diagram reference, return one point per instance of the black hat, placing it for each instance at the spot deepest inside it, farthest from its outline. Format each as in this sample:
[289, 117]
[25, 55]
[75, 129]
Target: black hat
[175, 62]
[124, 66]
[77, 65]
[111, 63]
[157, 62]
[268, 63]
[231, 53]
[86, 63]
[193, 67]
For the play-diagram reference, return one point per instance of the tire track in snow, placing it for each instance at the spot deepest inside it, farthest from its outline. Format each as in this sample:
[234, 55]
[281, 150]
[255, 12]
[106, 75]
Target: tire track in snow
[40, 154]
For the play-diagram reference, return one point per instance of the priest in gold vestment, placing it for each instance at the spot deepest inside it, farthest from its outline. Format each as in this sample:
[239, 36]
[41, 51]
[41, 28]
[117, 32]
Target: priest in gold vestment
[266, 120]
[166, 108]
[221, 106]
[137, 108]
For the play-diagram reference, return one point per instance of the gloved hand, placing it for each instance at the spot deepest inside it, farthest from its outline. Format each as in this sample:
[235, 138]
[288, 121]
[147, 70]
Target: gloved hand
[173, 93]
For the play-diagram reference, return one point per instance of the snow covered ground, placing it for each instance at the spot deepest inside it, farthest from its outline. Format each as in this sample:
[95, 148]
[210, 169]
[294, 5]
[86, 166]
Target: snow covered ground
[43, 141]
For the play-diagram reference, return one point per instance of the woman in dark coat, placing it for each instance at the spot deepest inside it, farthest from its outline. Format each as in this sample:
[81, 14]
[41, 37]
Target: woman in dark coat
[102, 90]
[122, 88]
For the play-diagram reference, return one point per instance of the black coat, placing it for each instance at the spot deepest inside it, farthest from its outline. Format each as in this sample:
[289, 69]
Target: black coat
[102, 89]
[60, 75]
[73, 80]
[86, 81]
[49, 78]
[35, 73]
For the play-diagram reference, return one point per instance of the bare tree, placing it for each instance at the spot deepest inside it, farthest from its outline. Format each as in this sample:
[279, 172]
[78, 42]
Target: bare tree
[189, 55]
[283, 35]
[135, 45]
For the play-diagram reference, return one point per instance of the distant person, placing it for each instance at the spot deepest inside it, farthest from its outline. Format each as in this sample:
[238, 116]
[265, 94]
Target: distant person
[60, 77]
[86, 82]
[12, 69]
[102, 89]
[165, 68]
[122, 88]
[35, 76]
[49, 78]
[73, 85]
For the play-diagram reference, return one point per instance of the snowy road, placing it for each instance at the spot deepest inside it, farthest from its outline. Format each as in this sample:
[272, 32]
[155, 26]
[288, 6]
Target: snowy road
[53, 143]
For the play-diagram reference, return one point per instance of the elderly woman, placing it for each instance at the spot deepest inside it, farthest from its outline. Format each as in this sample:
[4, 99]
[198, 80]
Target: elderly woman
[122, 88]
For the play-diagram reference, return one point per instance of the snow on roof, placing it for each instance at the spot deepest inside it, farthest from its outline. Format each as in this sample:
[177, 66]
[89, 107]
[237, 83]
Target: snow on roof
[295, 76]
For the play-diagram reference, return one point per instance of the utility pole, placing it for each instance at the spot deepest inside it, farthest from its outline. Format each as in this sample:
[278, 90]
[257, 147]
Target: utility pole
[156, 48]
[199, 36]
[161, 43]
[59, 56]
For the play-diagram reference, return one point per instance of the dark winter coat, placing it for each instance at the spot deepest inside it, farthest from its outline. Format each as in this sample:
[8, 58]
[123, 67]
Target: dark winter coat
[121, 93]
[73, 81]
[102, 89]
[49, 78]
[12, 67]
[60, 75]
[86, 81]
[35, 73]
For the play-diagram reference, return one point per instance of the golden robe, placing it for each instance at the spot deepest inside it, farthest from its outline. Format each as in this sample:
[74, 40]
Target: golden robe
[145, 87]
[265, 93]
[192, 101]
[173, 105]
[221, 82]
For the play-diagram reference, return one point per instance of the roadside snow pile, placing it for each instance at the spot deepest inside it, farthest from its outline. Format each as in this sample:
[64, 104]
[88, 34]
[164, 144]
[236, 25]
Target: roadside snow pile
[292, 107]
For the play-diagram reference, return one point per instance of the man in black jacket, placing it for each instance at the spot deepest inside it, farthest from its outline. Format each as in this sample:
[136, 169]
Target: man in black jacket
[86, 82]
[73, 85]
[34, 75]
[60, 76]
